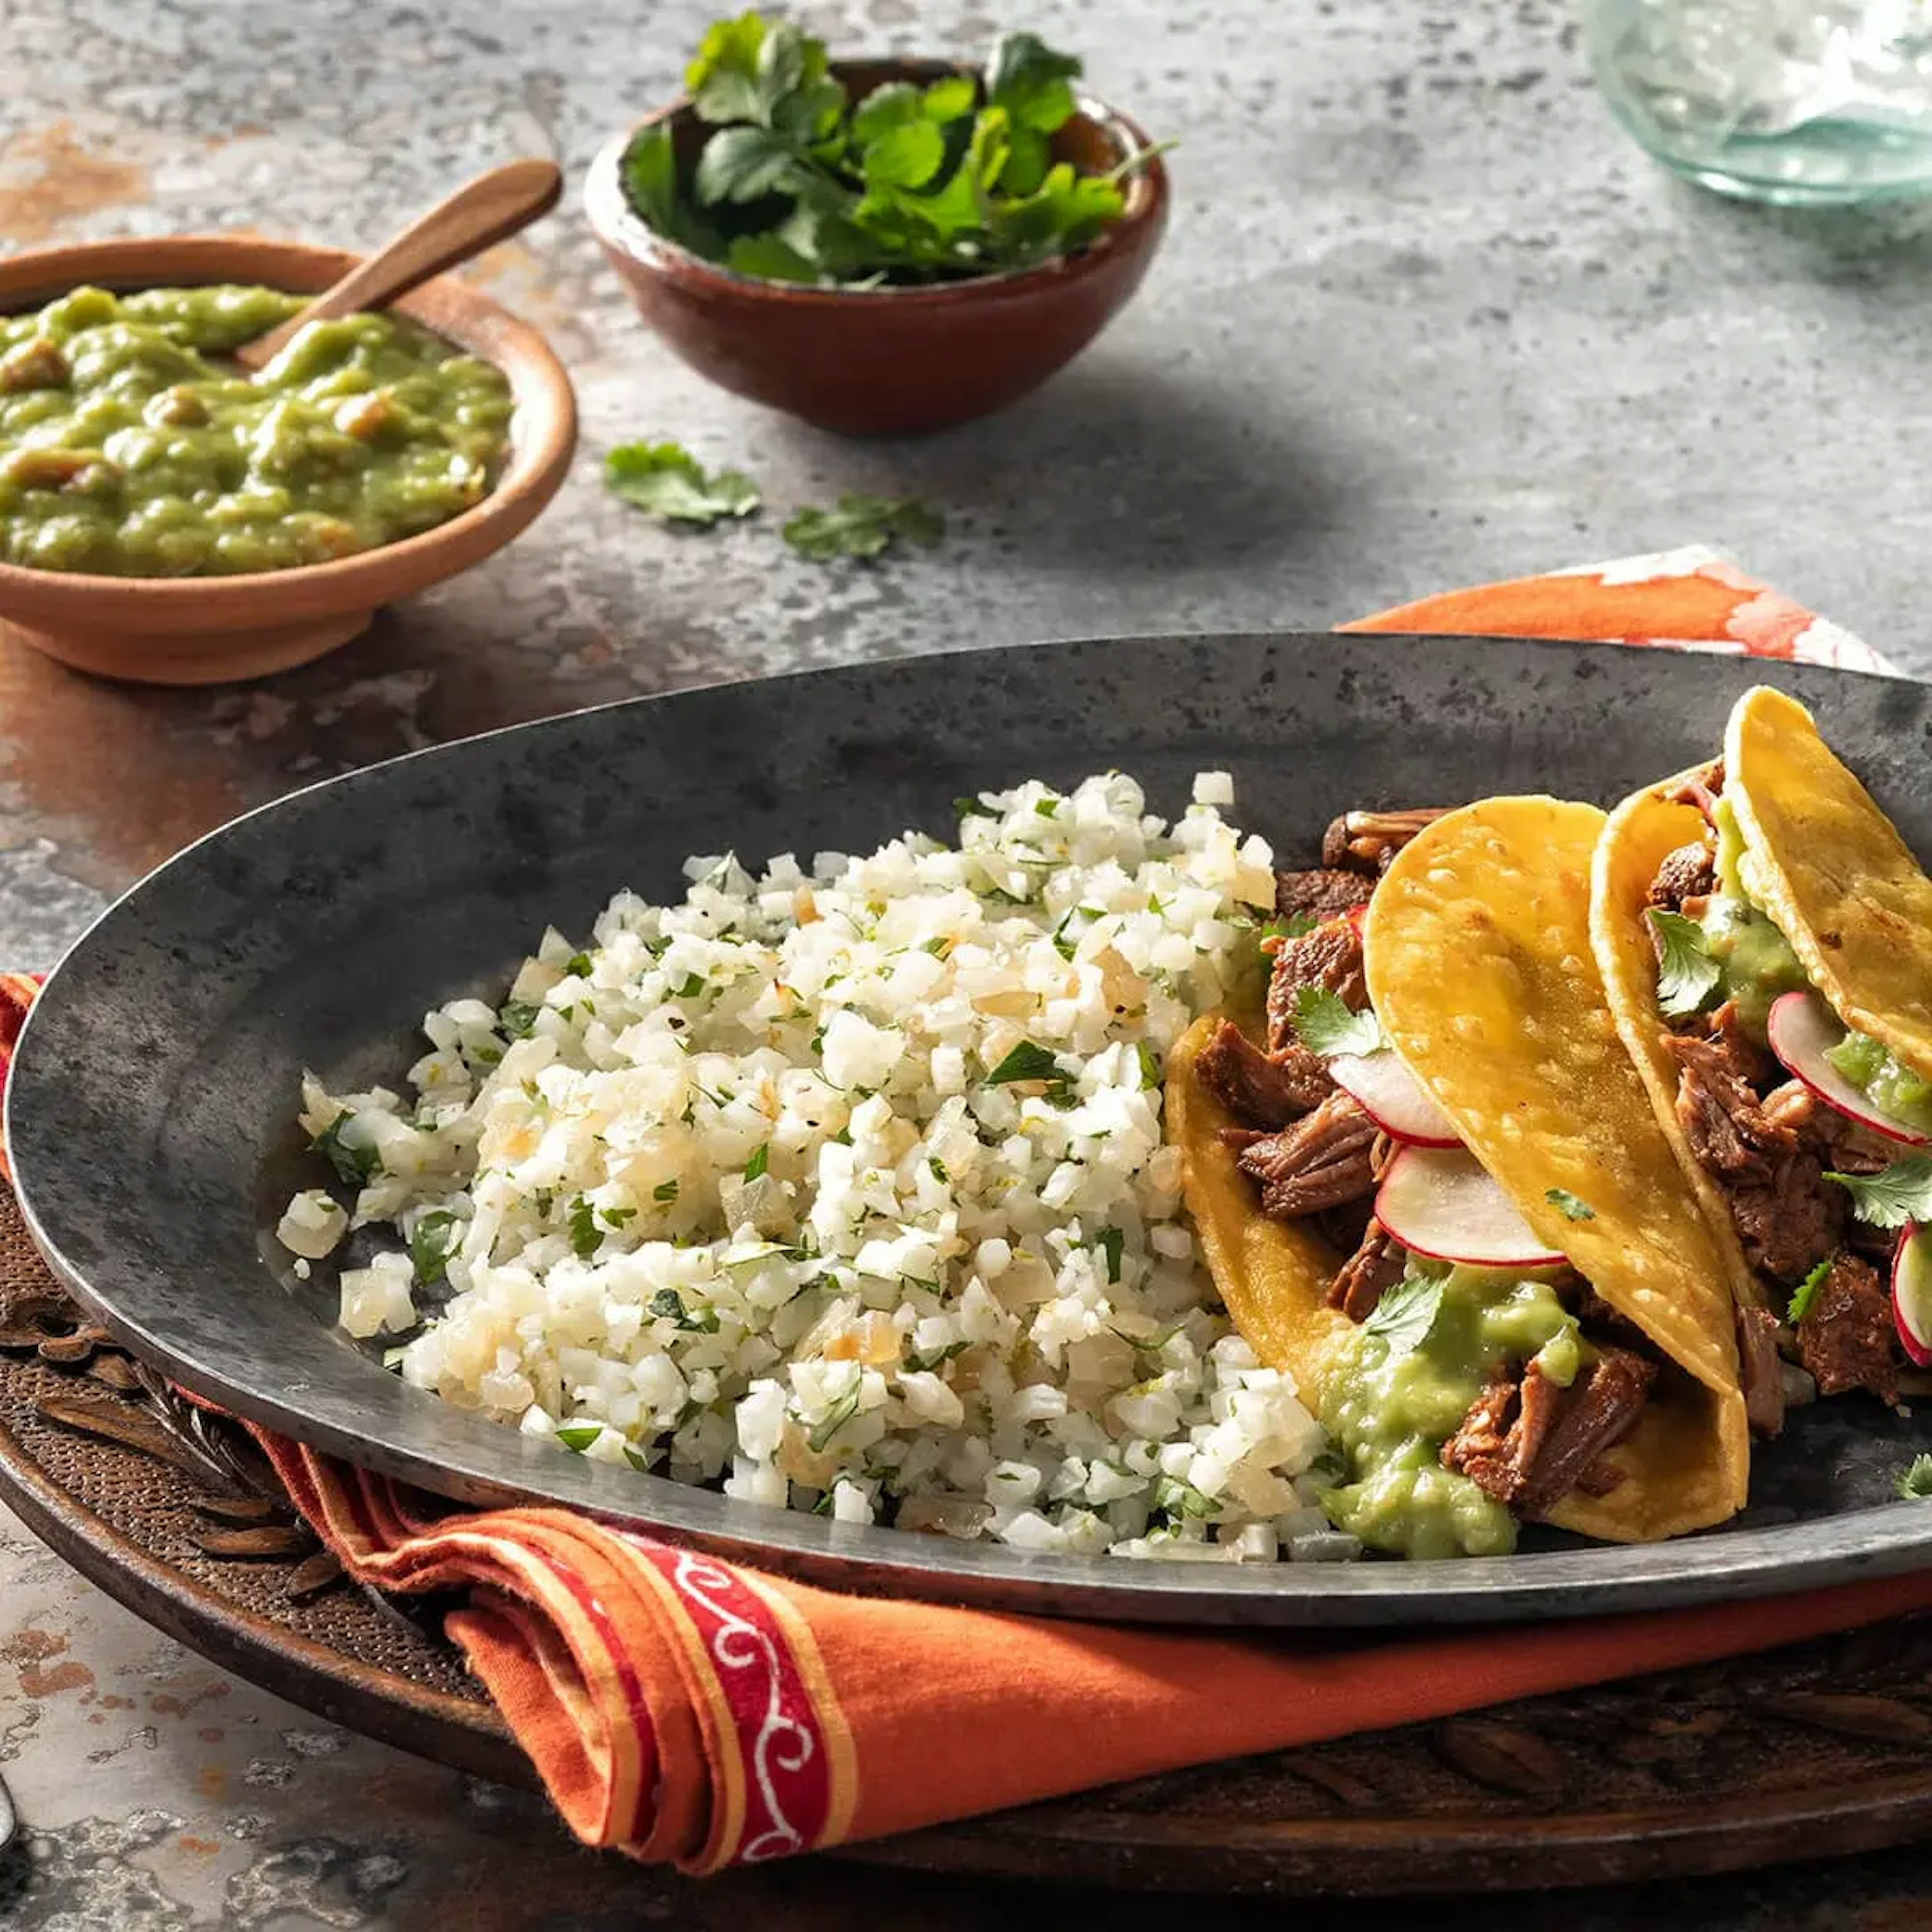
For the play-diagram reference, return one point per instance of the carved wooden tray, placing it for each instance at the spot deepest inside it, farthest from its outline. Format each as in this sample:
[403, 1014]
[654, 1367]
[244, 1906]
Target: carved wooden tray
[1825, 1747]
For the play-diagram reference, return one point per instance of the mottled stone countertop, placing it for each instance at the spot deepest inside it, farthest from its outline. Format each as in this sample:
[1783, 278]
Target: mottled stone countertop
[1424, 317]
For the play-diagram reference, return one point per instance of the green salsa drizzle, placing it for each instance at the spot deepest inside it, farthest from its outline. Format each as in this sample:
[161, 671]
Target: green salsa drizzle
[1393, 1400]
[125, 450]
[1755, 964]
[1894, 1088]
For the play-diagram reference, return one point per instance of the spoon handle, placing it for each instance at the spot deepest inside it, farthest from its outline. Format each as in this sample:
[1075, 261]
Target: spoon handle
[487, 210]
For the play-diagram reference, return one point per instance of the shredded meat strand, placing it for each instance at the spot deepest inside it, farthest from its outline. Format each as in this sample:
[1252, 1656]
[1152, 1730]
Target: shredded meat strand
[1847, 1339]
[1319, 1163]
[1598, 1413]
[1500, 1439]
[1323, 893]
[1365, 842]
[1790, 1223]
[1376, 1266]
[1257, 1090]
[1330, 957]
[1689, 872]
[1759, 1371]
[1717, 1103]
[1702, 788]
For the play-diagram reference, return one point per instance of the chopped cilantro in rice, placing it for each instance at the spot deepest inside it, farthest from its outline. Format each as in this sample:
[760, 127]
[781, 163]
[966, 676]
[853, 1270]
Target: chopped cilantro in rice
[843, 1187]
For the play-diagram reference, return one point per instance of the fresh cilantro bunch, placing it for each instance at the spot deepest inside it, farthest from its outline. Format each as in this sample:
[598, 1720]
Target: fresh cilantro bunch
[796, 183]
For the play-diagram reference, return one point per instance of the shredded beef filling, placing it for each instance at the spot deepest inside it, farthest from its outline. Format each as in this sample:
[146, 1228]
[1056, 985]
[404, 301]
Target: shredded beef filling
[1376, 1265]
[1717, 1101]
[1759, 1369]
[1847, 1339]
[1768, 1142]
[1599, 1410]
[1321, 1161]
[1260, 1091]
[1324, 893]
[1330, 958]
[1702, 788]
[1365, 842]
[1690, 872]
[1503, 1433]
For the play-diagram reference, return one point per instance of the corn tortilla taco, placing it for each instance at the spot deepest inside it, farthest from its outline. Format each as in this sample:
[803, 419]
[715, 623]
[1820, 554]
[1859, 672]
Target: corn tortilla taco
[1763, 932]
[1431, 1186]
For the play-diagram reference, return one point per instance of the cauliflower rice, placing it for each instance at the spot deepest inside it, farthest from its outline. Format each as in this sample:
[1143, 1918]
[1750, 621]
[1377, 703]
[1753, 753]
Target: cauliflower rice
[845, 1188]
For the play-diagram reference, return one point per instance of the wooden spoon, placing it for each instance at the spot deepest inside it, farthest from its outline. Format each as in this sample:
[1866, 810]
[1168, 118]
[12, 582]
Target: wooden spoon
[488, 209]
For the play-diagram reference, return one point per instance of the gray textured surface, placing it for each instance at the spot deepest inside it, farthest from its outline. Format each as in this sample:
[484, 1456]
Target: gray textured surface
[149, 1110]
[1424, 317]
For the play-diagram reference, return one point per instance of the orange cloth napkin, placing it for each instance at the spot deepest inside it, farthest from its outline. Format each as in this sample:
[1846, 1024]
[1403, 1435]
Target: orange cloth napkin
[684, 1708]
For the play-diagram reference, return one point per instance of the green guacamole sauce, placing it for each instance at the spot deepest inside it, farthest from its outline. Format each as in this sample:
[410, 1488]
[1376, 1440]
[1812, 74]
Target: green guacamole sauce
[1755, 965]
[1389, 1407]
[125, 450]
[1895, 1088]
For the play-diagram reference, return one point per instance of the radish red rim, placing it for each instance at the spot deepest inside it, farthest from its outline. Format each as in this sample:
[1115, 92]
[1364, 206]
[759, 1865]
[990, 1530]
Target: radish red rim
[1384, 1089]
[1803, 1029]
[1912, 1295]
[1441, 1203]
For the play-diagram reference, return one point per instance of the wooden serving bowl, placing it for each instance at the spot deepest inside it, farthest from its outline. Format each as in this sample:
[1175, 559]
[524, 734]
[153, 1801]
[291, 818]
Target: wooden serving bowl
[214, 630]
[892, 361]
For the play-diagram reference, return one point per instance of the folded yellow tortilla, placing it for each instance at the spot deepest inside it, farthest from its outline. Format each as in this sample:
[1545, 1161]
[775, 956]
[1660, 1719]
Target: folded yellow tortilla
[1636, 838]
[1831, 869]
[1480, 967]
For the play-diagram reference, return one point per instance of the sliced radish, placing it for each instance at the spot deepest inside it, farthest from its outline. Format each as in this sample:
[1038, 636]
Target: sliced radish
[1440, 1203]
[1803, 1029]
[1912, 1293]
[1393, 1098]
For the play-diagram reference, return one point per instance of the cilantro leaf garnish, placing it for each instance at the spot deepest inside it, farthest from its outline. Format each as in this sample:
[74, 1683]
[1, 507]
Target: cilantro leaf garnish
[863, 525]
[1914, 1483]
[668, 1302]
[1894, 1196]
[579, 1435]
[1406, 1313]
[1806, 1292]
[432, 1241]
[1572, 1206]
[578, 967]
[1170, 1496]
[354, 1166]
[515, 1018]
[974, 807]
[1025, 1062]
[666, 480]
[1288, 926]
[1150, 1067]
[760, 1160]
[1325, 1024]
[1108, 1241]
[1687, 975]
[585, 1236]
[665, 1191]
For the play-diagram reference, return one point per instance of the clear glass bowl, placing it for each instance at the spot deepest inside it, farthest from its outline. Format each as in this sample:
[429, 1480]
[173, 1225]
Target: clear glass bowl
[1792, 101]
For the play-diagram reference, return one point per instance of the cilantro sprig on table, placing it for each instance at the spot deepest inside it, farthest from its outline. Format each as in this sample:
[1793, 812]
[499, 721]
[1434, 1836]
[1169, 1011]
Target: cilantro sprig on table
[797, 182]
[863, 526]
[666, 480]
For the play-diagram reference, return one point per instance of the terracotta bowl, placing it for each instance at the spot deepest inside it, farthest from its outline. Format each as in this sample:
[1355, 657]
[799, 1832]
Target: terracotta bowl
[213, 630]
[885, 361]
